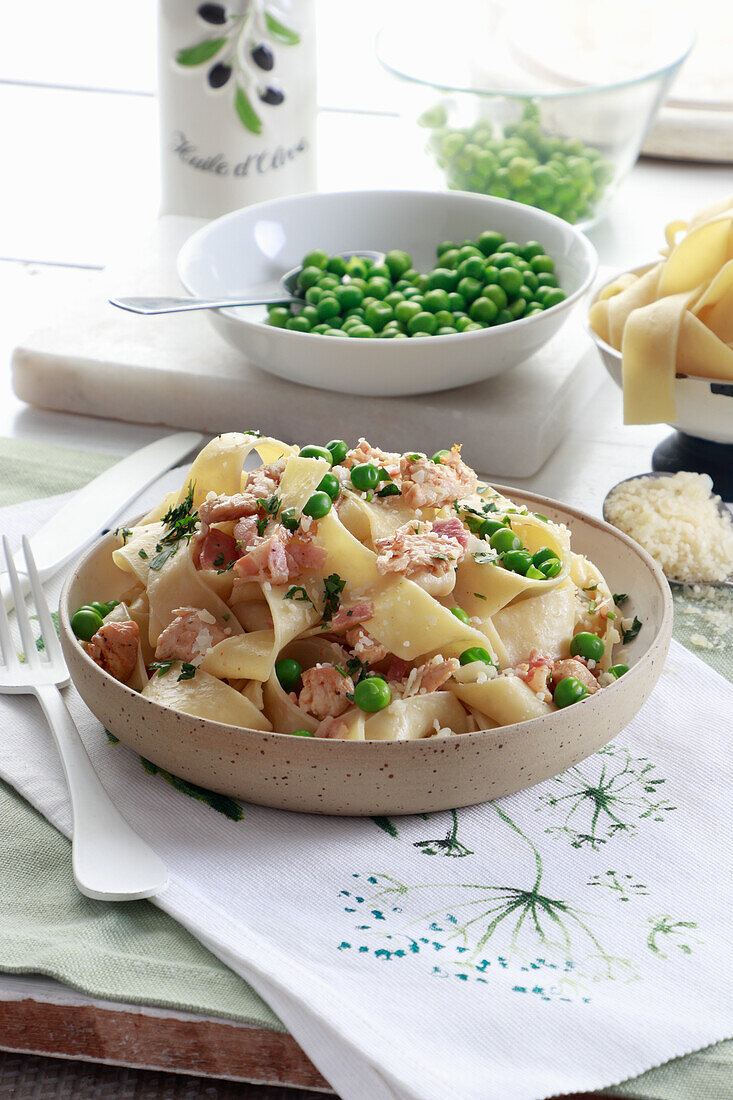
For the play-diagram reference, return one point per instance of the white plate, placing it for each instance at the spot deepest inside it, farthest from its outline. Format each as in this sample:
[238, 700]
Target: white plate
[258, 244]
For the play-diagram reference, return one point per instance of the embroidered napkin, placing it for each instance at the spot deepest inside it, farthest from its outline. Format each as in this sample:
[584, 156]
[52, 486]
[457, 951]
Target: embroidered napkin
[559, 940]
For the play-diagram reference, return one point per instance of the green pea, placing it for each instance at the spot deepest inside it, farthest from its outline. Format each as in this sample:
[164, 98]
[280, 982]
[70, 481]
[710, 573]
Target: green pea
[442, 279]
[278, 316]
[335, 332]
[472, 268]
[503, 259]
[299, 324]
[504, 540]
[510, 281]
[311, 450]
[290, 518]
[422, 322]
[379, 287]
[532, 249]
[542, 555]
[491, 275]
[394, 299]
[456, 302]
[372, 694]
[317, 258]
[356, 268]
[587, 645]
[490, 241]
[483, 311]
[569, 691]
[85, 623]
[101, 608]
[420, 282]
[310, 313]
[361, 332]
[381, 271]
[337, 265]
[435, 300]
[302, 733]
[503, 317]
[398, 262]
[330, 484]
[288, 673]
[328, 282]
[534, 574]
[327, 308]
[546, 280]
[460, 614]
[365, 476]
[553, 298]
[467, 250]
[469, 288]
[517, 308]
[618, 670]
[339, 450]
[542, 264]
[445, 246]
[450, 260]
[463, 323]
[496, 295]
[487, 527]
[317, 506]
[308, 277]
[377, 315]
[321, 329]
[475, 653]
[348, 296]
[517, 561]
[405, 310]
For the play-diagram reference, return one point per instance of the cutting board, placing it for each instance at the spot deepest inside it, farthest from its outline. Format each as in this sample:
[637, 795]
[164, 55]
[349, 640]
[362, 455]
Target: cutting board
[174, 370]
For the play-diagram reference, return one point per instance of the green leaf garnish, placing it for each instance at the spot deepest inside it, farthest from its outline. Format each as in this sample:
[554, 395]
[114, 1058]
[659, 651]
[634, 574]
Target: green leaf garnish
[333, 586]
[630, 634]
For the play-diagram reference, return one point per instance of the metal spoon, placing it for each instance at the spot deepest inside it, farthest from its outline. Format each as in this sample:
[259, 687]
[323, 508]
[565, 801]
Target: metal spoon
[288, 282]
[722, 508]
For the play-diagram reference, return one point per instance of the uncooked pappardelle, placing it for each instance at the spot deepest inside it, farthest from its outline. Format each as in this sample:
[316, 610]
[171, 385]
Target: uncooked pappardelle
[351, 593]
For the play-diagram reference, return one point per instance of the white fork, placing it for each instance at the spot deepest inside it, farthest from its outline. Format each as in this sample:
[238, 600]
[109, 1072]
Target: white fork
[109, 860]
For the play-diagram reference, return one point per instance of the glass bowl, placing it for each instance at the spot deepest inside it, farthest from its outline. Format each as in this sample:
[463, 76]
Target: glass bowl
[545, 104]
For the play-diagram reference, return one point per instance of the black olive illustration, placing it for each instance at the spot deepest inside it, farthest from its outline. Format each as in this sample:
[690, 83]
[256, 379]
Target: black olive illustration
[263, 57]
[213, 13]
[273, 96]
[219, 74]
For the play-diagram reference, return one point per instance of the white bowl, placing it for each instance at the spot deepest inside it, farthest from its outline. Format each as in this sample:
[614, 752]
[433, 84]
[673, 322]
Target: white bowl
[258, 244]
[704, 405]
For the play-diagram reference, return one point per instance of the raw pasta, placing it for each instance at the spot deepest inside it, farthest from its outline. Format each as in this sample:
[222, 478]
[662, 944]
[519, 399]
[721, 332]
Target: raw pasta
[289, 599]
[675, 318]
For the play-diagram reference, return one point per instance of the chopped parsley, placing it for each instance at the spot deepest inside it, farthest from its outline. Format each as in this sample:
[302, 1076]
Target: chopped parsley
[142, 554]
[479, 596]
[389, 490]
[413, 457]
[252, 431]
[543, 518]
[333, 586]
[591, 587]
[485, 557]
[124, 533]
[226, 568]
[356, 669]
[620, 597]
[630, 634]
[188, 671]
[299, 594]
[269, 507]
[219, 559]
[181, 522]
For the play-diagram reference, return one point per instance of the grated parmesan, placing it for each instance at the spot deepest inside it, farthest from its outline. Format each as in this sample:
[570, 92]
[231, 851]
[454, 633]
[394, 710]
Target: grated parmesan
[676, 519]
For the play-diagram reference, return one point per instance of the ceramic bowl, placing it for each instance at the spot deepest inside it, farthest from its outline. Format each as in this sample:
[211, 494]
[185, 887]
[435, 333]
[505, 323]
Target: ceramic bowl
[704, 405]
[352, 778]
[255, 246]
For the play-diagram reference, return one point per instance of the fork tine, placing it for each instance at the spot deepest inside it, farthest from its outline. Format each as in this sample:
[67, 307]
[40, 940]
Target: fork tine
[32, 655]
[48, 629]
[7, 645]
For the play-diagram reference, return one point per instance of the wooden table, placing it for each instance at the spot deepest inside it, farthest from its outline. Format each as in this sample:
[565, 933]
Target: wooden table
[77, 127]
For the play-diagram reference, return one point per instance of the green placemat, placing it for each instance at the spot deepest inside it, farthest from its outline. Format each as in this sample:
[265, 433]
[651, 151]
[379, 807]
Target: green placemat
[134, 952]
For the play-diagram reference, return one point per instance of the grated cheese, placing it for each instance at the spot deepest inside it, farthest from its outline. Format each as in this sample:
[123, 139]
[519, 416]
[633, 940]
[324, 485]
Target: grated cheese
[676, 519]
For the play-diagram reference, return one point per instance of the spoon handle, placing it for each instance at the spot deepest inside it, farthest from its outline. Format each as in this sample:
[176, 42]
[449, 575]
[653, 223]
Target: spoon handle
[150, 306]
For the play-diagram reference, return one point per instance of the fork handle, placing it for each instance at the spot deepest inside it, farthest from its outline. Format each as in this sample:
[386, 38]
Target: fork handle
[109, 860]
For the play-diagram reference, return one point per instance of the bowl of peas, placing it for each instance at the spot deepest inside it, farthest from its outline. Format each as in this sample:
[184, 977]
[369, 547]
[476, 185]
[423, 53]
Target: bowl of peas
[544, 104]
[458, 288]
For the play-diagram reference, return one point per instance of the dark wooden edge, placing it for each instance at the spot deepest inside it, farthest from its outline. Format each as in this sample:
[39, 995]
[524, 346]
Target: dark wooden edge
[202, 1048]
[206, 1048]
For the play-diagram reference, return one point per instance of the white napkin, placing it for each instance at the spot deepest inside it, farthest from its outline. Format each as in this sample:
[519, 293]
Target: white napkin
[560, 940]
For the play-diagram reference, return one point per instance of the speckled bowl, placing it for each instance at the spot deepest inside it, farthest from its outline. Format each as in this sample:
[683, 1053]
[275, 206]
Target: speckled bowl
[376, 777]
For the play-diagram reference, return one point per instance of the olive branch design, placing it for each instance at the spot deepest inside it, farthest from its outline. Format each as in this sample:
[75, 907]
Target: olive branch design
[243, 51]
[593, 810]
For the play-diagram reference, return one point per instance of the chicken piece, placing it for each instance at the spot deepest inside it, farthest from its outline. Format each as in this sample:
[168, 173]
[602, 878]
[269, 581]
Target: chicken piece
[245, 533]
[189, 637]
[281, 558]
[367, 649]
[324, 691]
[114, 648]
[433, 484]
[265, 480]
[431, 676]
[335, 728]
[536, 674]
[349, 616]
[416, 548]
[572, 666]
[217, 550]
[222, 508]
[364, 452]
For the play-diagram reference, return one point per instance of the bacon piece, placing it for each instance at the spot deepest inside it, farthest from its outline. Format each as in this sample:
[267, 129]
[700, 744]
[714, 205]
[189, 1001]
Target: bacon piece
[432, 484]
[245, 533]
[323, 693]
[418, 548]
[572, 666]
[367, 649]
[189, 637]
[397, 669]
[281, 558]
[334, 728]
[431, 676]
[364, 452]
[264, 481]
[114, 648]
[217, 551]
[222, 509]
[349, 616]
[452, 528]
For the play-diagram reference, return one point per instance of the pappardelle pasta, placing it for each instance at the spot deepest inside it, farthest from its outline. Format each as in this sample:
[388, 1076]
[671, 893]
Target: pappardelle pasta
[351, 593]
